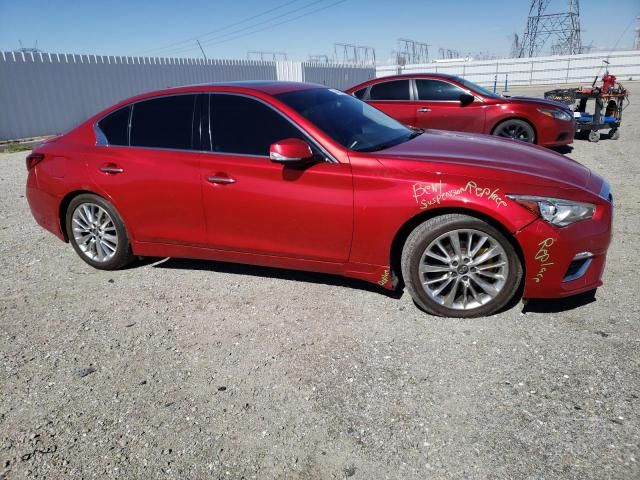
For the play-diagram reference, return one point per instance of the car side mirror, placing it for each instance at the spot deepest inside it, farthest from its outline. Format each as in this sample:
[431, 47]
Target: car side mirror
[290, 150]
[466, 99]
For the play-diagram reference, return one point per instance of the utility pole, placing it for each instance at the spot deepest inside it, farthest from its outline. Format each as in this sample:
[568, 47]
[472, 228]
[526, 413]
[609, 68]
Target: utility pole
[202, 50]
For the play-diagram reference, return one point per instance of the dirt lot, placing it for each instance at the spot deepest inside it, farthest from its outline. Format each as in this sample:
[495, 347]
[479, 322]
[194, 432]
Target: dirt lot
[190, 369]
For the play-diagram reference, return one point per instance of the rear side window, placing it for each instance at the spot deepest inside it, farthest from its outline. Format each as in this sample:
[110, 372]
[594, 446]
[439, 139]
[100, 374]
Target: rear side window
[246, 126]
[165, 122]
[394, 90]
[115, 126]
[437, 90]
[360, 93]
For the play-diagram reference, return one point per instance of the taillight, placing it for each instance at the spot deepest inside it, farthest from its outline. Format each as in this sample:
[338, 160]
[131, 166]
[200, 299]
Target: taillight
[33, 159]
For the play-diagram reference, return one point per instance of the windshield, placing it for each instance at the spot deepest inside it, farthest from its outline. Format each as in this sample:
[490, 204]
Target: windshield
[350, 122]
[473, 86]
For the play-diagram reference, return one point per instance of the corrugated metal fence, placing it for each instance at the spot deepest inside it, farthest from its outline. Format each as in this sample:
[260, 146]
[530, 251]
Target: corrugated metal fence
[532, 71]
[44, 94]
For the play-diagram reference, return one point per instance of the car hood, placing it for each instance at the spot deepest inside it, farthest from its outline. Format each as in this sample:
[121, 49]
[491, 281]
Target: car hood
[490, 152]
[543, 102]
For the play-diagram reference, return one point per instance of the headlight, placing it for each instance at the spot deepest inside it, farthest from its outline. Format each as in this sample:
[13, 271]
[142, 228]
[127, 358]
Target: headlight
[556, 211]
[554, 113]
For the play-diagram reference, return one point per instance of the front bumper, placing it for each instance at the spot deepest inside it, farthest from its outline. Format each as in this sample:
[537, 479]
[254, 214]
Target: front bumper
[553, 132]
[560, 262]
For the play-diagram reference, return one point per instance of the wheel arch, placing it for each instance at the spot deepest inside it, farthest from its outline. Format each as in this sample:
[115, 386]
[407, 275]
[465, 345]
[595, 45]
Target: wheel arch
[405, 230]
[516, 117]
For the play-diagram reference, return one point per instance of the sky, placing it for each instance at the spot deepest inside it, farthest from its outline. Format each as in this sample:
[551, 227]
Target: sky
[231, 28]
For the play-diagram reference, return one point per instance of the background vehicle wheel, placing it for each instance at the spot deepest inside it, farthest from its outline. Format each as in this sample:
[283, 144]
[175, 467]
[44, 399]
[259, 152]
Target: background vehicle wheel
[459, 266]
[594, 136]
[97, 233]
[614, 134]
[516, 129]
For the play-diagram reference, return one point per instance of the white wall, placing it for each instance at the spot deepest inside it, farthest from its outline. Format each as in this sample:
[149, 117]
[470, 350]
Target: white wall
[532, 71]
[45, 94]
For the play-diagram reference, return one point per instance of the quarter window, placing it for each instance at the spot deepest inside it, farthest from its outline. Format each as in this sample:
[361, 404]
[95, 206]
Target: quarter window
[393, 90]
[115, 126]
[165, 122]
[360, 93]
[245, 126]
[436, 90]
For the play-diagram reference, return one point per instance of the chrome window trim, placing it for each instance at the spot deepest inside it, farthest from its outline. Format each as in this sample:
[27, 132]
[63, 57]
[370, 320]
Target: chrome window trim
[463, 89]
[101, 136]
[367, 96]
[329, 158]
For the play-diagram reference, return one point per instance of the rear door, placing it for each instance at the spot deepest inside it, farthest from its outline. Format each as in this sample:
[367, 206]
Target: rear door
[146, 163]
[438, 106]
[394, 98]
[257, 206]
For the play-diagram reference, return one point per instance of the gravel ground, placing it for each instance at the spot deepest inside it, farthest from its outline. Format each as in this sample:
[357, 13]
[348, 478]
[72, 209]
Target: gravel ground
[192, 369]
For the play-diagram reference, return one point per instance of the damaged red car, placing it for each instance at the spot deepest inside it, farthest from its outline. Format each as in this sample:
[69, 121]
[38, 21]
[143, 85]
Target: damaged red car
[304, 177]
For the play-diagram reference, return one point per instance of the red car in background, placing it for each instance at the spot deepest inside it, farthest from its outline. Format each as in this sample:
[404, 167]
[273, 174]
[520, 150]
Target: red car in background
[451, 103]
[300, 176]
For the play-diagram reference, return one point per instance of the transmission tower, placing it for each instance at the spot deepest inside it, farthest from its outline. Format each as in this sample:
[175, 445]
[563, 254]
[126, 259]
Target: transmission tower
[560, 30]
[350, 53]
[319, 58]
[636, 44]
[263, 55]
[448, 54]
[24, 49]
[410, 51]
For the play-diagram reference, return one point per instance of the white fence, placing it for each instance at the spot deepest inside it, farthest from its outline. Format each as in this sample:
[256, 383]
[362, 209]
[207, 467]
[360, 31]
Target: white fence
[44, 94]
[532, 71]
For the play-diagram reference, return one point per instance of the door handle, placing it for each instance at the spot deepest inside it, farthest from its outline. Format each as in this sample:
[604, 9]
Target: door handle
[424, 110]
[112, 169]
[221, 180]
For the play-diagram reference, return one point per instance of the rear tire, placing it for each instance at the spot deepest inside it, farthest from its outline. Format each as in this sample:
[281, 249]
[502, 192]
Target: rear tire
[515, 129]
[97, 233]
[460, 266]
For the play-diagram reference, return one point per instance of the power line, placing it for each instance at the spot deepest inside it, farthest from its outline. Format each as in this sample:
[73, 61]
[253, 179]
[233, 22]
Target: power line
[240, 22]
[209, 43]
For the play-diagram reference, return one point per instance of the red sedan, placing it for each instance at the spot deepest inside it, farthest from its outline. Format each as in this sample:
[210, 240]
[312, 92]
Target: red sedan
[300, 176]
[452, 103]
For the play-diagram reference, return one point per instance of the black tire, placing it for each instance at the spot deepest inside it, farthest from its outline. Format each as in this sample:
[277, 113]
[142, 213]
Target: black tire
[515, 129]
[614, 134]
[425, 234]
[122, 254]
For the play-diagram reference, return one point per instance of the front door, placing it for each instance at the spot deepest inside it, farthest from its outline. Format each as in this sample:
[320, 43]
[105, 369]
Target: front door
[438, 106]
[254, 205]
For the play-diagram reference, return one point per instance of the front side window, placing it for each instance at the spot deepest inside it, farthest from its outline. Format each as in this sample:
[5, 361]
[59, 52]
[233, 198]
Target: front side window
[164, 122]
[348, 121]
[245, 126]
[393, 90]
[437, 90]
[115, 126]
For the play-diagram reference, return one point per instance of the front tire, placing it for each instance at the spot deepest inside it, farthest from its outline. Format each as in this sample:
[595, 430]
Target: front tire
[515, 129]
[97, 233]
[460, 266]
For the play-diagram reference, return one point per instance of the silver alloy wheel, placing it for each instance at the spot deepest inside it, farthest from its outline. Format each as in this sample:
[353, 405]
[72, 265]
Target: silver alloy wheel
[94, 232]
[464, 269]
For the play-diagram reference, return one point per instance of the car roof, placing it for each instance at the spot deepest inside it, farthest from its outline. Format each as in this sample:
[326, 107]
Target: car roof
[403, 76]
[269, 87]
